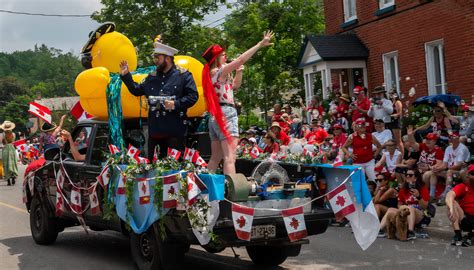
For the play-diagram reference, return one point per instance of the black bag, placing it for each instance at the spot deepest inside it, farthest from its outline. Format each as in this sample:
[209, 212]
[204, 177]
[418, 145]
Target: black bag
[431, 210]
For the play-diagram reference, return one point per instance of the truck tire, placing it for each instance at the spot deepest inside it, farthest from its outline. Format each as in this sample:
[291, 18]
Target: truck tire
[145, 251]
[42, 225]
[271, 255]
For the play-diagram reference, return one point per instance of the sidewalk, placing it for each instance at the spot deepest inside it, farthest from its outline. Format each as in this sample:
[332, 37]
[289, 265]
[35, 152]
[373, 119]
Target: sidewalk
[440, 227]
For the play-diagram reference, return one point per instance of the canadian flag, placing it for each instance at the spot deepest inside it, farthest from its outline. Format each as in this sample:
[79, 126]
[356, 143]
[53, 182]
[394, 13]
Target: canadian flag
[243, 218]
[155, 153]
[143, 160]
[60, 177]
[170, 191]
[76, 204]
[306, 152]
[338, 161]
[104, 176]
[189, 154]
[94, 200]
[114, 149]
[40, 111]
[20, 145]
[59, 204]
[31, 182]
[121, 185]
[143, 191]
[341, 202]
[255, 152]
[195, 187]
[173, 153]
[198, 160]
[78, 112]
[133, 152]
[294, 223]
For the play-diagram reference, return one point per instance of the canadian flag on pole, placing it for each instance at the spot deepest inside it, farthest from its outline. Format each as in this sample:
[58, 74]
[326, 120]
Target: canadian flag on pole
[121, 185]
[341, 202]
[114, 149]
[189, 154]
[195, 187]
[294, 223]
[198, 160]
[76, 203]
[173, 153]
[243, 218]
[143, 191]
[78, 112]
[255, 152]
[94, 200]
[338, 161]
[155, 153]
[40, 111]
[104, 177]
[143, 160]
[133, 152]
[170, 191]
[20, 145]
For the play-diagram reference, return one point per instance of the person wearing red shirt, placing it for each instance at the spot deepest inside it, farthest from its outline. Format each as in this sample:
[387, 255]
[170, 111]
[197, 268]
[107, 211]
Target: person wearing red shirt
[280, 135]
[271, 146]
[413, 194]
[431, 158]
[361, 142]
[460, 203]
[277, 112]
[340, 137]
[360, 107]
[315, 109]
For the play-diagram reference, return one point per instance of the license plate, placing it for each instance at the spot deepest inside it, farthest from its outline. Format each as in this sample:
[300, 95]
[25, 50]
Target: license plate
[262, 231]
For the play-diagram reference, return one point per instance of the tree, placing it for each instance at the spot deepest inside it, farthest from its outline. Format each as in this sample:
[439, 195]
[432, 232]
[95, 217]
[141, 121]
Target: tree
[277, 73]
[141, 21]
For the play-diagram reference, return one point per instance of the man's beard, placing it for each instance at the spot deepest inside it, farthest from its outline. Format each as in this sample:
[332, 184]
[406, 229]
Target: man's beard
[161, 67]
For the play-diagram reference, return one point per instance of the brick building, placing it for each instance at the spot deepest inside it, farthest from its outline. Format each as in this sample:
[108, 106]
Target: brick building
[427, 45]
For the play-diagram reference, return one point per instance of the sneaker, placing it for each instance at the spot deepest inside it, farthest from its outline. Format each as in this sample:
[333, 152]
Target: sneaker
[381, 234]
[411, 235]
[457, 241]
[441, 201]
[466, 241]
[344, 222]
[433, 200]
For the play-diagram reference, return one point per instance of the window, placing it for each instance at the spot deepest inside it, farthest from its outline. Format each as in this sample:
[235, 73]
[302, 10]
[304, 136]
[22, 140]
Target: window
[349, 10]
[434, 53]
[386, 3]
[100, 148]
[390, 71]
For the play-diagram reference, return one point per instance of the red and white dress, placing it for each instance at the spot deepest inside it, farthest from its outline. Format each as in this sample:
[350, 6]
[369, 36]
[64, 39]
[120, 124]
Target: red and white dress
[224, 90]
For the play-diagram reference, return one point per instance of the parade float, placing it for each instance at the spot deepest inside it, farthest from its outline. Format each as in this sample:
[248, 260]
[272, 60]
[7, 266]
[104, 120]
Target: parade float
[165, 205]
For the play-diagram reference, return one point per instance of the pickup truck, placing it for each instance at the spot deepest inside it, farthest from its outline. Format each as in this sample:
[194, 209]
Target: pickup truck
[269, 245]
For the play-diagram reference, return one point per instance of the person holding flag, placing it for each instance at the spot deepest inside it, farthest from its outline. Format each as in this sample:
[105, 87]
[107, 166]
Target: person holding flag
[49, 133]
[9, 157]
[218, 86]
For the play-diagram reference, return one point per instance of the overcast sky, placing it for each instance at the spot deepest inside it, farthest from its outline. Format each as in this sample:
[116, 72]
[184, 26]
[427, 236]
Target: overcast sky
[22, 32]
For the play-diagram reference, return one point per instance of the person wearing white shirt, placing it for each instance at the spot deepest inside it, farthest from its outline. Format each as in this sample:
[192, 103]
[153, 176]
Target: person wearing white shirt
[383, 108]
[456, 157]
[381, 134]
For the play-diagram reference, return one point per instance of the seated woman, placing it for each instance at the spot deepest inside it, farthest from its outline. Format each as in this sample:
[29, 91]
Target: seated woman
[75, 152]
[271, 146]
[415, 195]
[390, 158]
[385, 196]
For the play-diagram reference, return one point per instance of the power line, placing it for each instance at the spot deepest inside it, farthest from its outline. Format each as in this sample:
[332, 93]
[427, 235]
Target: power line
[42, 14]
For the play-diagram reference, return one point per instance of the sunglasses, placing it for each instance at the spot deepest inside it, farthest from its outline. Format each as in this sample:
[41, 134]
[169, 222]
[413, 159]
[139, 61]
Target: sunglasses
[438, 111]
[410, 174]
[380, 179]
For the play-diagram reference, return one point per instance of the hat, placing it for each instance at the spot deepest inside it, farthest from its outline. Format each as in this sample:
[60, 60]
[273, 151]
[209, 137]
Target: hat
[465, 108]
[378, 90]
[95, 35]
[45, 127]
[337, 126]
[454, 134]
[252, 140]
[345, 97]
[357, 90]
[275, 124]
[161, 48]
[432, 136]
[470, 168]
[378, 121]
[212, 52]
[7, 125]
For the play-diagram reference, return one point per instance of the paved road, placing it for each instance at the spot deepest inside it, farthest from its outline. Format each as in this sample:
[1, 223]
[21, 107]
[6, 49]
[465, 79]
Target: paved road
[335, 249]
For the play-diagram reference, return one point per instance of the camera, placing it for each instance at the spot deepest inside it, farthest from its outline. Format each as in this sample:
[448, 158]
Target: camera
[411, 186]
[401, 170]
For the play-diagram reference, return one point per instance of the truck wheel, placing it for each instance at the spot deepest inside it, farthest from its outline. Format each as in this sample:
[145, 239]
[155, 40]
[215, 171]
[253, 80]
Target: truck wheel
[43, 227]
[144, 249]
[270, 255]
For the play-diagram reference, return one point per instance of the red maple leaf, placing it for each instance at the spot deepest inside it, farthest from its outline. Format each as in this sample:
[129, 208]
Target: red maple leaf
[241, 221]
[40, 112]
[340, 201]
[294, 223]
[144, 188]
[190, 186]
[76, 199]
[171, 190]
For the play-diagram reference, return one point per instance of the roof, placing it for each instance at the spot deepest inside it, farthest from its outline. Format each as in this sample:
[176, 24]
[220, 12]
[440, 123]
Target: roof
[58, 103]
[335, 47]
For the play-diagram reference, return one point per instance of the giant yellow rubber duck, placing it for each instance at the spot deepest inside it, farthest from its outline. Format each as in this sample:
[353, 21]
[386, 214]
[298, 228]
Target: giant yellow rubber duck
[102, 55]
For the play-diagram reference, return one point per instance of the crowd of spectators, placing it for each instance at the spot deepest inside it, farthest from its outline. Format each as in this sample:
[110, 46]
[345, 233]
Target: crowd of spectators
[405, 165]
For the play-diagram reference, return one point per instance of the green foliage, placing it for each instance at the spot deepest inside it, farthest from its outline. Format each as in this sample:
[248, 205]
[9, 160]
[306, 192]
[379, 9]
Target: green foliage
[250, 119]
[417, 115]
